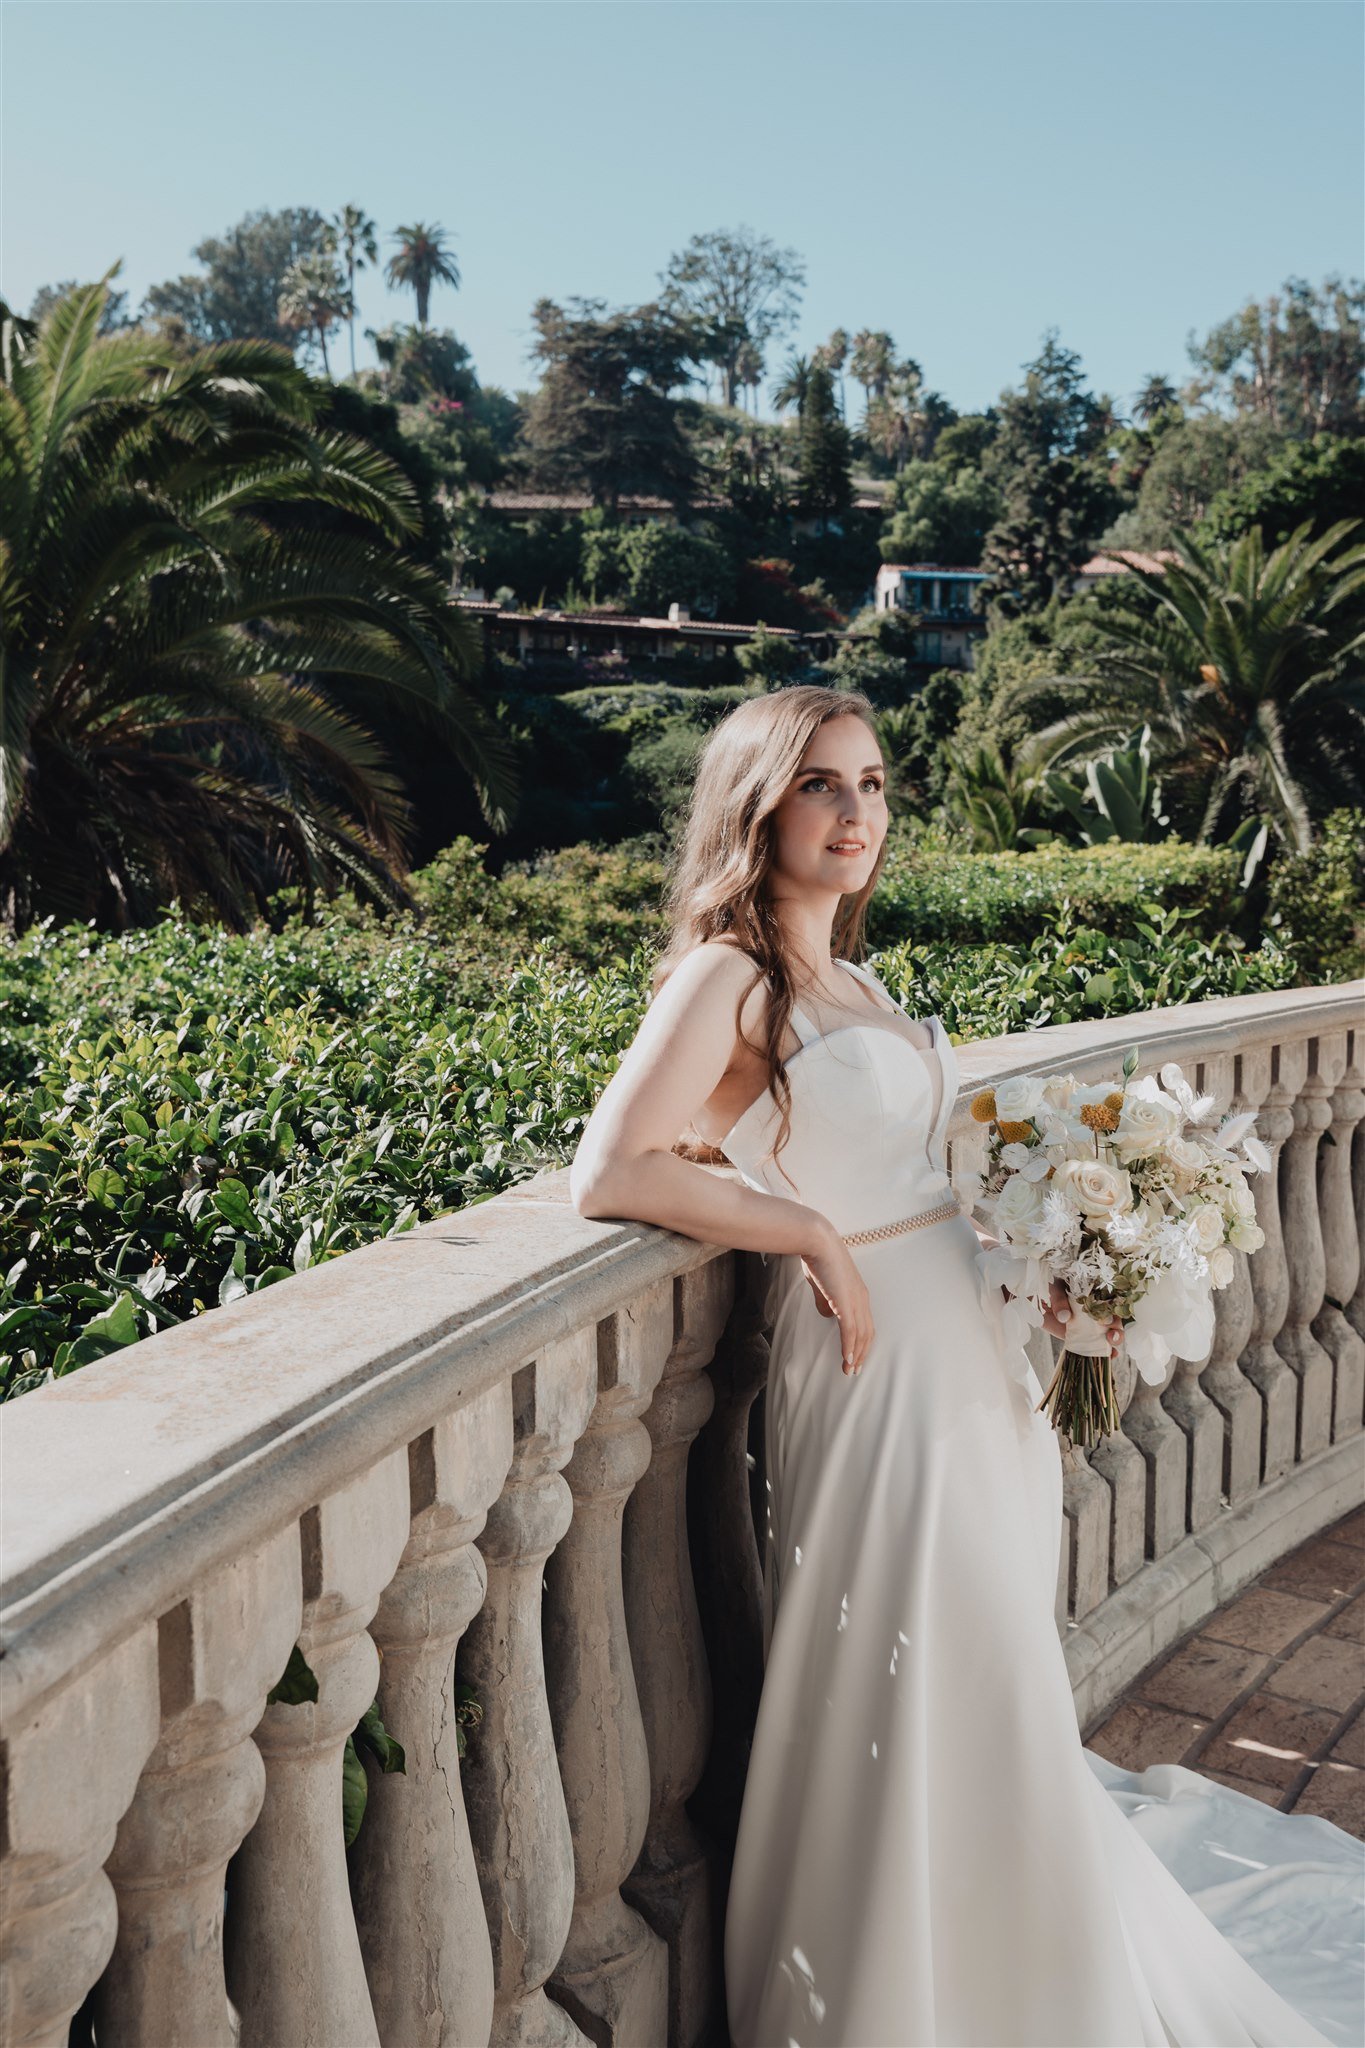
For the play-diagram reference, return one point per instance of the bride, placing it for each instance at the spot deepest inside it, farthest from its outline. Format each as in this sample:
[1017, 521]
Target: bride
[927, 1857]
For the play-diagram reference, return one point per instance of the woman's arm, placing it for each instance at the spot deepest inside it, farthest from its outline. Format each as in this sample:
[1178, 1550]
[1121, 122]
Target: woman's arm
[625, 1165]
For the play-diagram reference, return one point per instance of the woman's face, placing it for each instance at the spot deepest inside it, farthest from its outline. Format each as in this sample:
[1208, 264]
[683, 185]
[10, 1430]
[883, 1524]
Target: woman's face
[830, 825]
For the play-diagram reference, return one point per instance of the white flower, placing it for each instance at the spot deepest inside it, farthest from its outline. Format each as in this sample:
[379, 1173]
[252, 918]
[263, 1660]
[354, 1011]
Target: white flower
[1058, 1090]
[1241, 1200]
[1094, 1187]
[1018, 1098]
[1185, 1161]
[1247, 1236]
[1173, 1316]
[1205, 1227]
[1221, 1266]
[1127, 1230]
[1018, 1206]
[1195, 1107]
[1059, 1231]
[1147, 1121]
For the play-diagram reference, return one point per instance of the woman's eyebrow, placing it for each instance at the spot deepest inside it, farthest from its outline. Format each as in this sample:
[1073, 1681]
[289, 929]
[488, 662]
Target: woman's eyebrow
[877, 768]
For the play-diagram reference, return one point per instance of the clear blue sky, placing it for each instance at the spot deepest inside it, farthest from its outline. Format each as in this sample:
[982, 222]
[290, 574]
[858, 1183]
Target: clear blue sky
[964, 173]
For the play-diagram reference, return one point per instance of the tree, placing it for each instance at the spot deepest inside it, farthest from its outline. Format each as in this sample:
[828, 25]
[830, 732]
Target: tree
[422, 261]
[418, 363]
[314, 299]
[1049, 461]
[834, 355]
[1297, 362]
[49, 296]
[824, 485]
[238, 297]
[793, 389]
[202, 587]
[1247, 668]
[872, 357]
[1181, 465]
[739, 288]
[941, 514]
[604, 417]
[664, 565]
[1321, 480]
[351, 235]
[770, 658]
[1157, 395]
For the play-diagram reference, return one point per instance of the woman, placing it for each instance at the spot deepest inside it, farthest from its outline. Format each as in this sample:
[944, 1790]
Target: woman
[925, 1856]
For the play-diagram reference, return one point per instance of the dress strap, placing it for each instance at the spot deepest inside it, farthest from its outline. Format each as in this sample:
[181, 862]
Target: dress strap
[866, 975]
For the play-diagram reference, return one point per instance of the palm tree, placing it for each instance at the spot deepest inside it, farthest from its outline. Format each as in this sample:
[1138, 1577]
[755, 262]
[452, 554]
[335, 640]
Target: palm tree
[353, 234]
[421, 262]
[871, 360]
[314, 299]
[1157, 395]
[794, 389]
[200, 587]
[1248, 669]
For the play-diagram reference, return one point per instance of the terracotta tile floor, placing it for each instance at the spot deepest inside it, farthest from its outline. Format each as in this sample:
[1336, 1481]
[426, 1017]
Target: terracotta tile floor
[1269, 1693]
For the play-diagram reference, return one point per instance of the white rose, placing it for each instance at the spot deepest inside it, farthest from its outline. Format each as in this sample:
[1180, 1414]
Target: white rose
[1242, 1201]
[1094, 1187]
[1248, 1237]
[1018, 1098]
[1058, 1090]
[1018, 1206]
[1221, 1266]
[1205, 1227]
[1147, 1122]
[1186, 1161]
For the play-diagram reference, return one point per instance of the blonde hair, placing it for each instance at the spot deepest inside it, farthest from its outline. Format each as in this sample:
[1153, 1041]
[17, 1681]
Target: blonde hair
[718, 883]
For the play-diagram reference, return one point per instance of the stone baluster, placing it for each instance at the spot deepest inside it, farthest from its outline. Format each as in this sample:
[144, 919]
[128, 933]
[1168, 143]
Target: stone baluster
[1166, 1455]
[1272, 1075]
[71, 1768]
[1340, 1239]
[726, 1557]
[1355, 1307]
[671, 1883]
[1122, 1467]
[294, 1965]
[1234, 1311]
[518, 1821]
[423, 1930]
[1087, 1506]
[1186, 1400]
[613, 1972]
[221, 1650]
[1304, 1259]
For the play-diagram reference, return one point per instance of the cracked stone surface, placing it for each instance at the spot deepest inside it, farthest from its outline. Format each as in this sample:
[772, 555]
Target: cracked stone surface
[1268, 1694]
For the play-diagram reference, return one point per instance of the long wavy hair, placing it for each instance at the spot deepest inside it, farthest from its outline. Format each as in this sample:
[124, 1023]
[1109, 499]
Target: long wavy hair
[718, 883]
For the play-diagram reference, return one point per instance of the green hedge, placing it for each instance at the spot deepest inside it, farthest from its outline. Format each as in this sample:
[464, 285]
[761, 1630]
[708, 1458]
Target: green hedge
[928, 893]
[190, 1115]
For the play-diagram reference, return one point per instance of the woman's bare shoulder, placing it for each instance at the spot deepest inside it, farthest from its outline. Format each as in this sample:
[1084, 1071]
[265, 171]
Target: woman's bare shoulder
[717, 971]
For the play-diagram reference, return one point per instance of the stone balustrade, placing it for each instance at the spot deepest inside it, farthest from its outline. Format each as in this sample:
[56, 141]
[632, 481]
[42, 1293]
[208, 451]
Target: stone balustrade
[521, 1450]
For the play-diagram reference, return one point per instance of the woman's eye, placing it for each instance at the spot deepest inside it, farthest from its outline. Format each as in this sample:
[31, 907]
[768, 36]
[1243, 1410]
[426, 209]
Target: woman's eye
[822, 782]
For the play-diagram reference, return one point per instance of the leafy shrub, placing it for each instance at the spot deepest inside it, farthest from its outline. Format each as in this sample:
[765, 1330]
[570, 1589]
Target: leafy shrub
[929, 892]
[1317, 900]
[192, 1115]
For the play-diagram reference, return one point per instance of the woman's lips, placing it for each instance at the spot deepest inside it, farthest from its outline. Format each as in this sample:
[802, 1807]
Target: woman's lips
[849, 852]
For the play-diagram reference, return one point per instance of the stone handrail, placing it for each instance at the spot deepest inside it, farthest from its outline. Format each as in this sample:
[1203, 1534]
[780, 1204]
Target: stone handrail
[522, 1449]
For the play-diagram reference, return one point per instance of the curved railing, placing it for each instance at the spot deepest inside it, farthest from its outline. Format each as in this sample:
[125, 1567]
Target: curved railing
[520, 1450]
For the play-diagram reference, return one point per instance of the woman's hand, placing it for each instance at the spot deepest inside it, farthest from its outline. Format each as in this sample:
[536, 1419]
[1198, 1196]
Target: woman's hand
[840, 1291]
[1058, 1312]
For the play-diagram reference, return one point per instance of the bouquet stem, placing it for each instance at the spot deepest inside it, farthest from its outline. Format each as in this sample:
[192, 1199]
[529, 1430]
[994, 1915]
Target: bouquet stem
[1081, 1399]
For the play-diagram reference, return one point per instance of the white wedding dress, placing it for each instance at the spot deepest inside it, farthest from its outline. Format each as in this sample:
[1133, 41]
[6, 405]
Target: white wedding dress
[927, 1856]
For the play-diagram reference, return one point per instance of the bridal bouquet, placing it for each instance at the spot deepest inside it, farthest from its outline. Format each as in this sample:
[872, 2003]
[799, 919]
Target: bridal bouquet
[1122, 1192]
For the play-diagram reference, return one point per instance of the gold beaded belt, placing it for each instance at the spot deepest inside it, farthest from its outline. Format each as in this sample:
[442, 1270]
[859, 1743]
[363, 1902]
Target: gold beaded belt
[945, 1209]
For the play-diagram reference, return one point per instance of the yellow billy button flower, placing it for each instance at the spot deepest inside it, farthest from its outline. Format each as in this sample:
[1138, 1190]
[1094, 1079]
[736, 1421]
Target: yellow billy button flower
[1100, 1116]
[1016, 1134]
[983, 1106]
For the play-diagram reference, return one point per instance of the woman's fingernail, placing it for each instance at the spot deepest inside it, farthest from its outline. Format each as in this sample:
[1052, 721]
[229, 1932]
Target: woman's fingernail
[1064, 1315]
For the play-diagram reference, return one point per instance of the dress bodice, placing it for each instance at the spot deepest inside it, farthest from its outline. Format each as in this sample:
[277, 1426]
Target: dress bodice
[868, 1114]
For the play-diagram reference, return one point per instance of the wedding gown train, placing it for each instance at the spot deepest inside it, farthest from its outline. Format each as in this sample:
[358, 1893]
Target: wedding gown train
[927, 1856]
